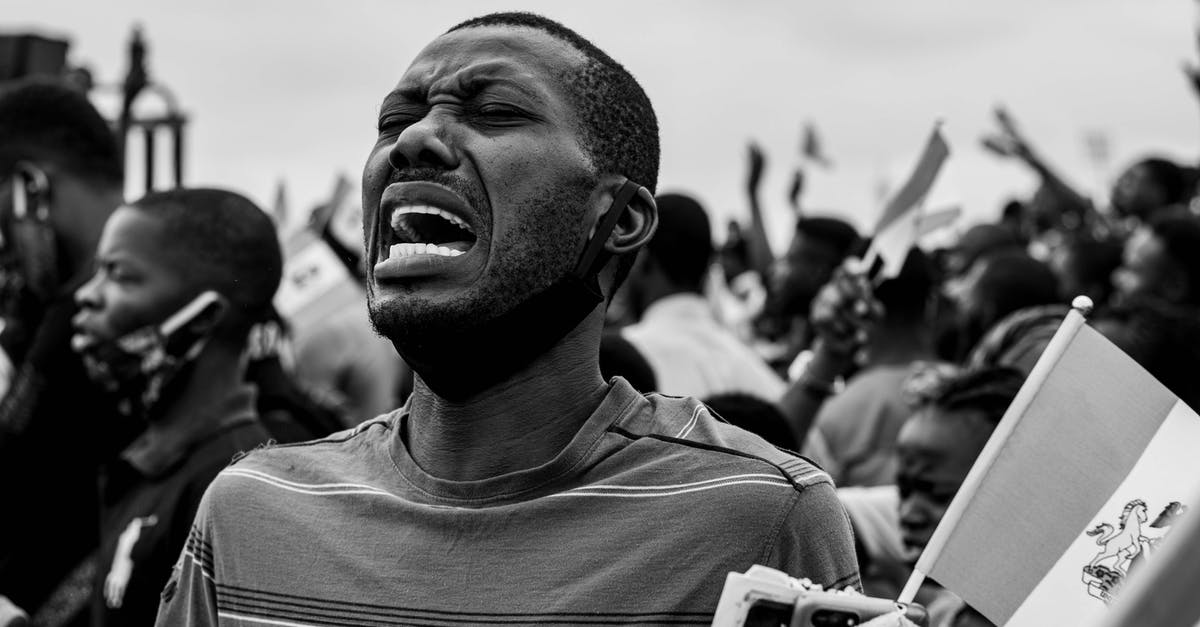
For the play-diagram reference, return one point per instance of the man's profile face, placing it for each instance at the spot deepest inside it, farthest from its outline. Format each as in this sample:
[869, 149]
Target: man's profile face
[136, 283]
[475, 191]
[936, 450]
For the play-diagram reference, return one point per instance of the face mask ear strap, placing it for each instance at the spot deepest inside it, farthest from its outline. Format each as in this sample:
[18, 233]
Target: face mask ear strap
[29, 181]
[592, 259]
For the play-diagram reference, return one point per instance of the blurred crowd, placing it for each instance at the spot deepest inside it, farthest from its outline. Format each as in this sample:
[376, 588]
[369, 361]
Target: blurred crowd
[142, 347]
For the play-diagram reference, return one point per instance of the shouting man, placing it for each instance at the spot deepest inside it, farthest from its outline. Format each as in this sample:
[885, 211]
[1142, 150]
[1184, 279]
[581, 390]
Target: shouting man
[507, 193]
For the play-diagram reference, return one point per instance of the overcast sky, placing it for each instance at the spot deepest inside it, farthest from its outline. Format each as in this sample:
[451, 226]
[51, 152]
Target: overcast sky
[289, 89]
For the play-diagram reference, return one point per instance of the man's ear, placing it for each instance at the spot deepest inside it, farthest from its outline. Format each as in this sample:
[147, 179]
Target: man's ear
[636, 225]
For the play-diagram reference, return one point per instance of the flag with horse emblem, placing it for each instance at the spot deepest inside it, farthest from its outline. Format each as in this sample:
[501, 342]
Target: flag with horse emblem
[1079, 487]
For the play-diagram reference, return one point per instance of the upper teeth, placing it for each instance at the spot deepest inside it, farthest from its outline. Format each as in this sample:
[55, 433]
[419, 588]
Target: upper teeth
[404, 250]
[455, 220]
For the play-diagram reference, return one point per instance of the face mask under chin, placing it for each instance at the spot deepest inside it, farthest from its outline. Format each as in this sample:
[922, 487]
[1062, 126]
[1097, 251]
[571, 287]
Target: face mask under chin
[139, 368]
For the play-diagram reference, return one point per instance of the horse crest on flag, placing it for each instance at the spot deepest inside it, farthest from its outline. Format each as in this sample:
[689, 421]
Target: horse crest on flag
[1122, 548]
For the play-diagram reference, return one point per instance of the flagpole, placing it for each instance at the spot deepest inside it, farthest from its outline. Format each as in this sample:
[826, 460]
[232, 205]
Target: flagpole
[1076, 318]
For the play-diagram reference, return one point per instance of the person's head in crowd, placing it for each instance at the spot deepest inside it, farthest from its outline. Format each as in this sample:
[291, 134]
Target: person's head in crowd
[1018, 339]
[1050, 212]
[758, 416]
[1164, 339]
[1084, 267]
[938, 445]
[977, 243]
[620, 358]
[519, 189]
[1162, 260]
[818, 247]
[1148, 186]
[676, 260]
[908, 301]
[999, 285]
[60, 151]
[156, 257]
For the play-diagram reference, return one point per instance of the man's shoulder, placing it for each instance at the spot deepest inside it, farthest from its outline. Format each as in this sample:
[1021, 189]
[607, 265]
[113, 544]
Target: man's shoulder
[686, 431]
[343, 458]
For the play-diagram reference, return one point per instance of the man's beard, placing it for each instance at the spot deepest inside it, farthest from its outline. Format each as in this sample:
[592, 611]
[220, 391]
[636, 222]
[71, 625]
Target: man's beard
[545, 254]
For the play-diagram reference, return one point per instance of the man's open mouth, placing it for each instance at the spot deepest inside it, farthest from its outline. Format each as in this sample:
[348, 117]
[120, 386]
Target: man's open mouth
[427, 230]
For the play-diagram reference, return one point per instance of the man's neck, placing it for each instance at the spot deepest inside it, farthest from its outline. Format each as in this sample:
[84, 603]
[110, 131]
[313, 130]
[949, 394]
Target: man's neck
[518, 424]
[215, 375]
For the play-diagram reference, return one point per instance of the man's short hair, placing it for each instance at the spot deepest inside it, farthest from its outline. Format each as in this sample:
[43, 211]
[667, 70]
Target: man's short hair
[617, 122]
[225, 243]
[1180, 237]
[682, 245]
[620, 130]
[44, 120]
[1013, 280]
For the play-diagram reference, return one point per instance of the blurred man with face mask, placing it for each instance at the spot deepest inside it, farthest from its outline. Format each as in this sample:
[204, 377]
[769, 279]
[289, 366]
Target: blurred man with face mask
[181, 277]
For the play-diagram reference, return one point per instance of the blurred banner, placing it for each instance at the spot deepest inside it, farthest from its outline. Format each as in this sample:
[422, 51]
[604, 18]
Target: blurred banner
[318, 278]
[316, 283]
[898, 226]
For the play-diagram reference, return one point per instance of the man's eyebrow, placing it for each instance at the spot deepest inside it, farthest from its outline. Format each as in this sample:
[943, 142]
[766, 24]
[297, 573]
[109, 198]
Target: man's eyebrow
[402, 95]
[478, 83]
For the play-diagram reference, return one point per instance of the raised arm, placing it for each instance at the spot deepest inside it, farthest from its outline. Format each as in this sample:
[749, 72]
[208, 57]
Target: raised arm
[1010, 142]
[757, 245]
[842, 312]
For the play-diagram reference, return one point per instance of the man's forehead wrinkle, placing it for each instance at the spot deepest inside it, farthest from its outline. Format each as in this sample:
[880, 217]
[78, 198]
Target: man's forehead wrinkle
[511, 41]
[478, 77]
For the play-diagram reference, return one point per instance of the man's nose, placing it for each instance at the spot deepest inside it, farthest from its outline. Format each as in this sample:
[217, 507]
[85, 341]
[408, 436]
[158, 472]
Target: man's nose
[424, 144]
[88, 294]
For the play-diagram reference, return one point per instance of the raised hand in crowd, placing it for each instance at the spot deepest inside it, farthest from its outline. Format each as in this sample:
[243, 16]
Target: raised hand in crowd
[843, 311]
[758, 246]
[1010, 142]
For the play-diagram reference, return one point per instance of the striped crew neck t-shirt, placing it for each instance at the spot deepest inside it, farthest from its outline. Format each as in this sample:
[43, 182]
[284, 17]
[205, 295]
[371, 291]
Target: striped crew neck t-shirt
[637, 521]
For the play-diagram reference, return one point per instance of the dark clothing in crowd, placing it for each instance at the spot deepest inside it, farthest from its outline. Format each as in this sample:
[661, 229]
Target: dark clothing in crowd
[55, 428]
[57, 431]
[149, 498]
